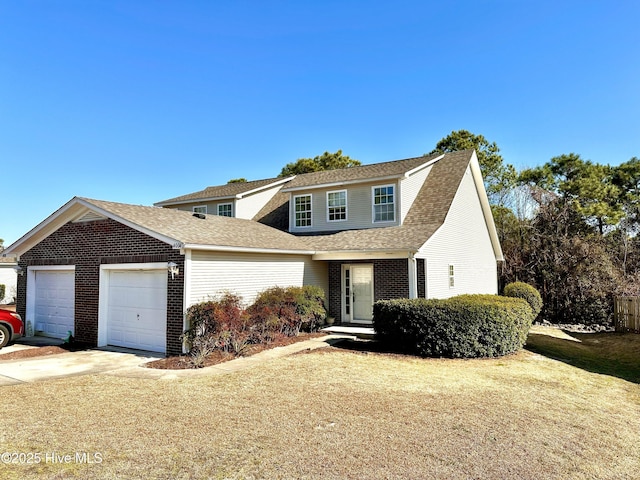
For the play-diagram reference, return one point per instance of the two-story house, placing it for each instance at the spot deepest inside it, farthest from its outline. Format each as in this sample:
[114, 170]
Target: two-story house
[119, 274]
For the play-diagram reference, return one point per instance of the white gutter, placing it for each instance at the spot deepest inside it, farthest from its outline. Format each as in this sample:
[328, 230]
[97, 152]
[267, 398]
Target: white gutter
[264, 187]
[347, 182]
[237, 196]
[362, 255]
[223, 248]
[423, 166]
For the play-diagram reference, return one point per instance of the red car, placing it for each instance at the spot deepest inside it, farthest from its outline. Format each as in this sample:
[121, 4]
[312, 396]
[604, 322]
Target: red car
[11, 327]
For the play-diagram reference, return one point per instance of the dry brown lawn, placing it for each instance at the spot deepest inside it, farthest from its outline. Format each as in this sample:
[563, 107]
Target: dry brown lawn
[335, 414]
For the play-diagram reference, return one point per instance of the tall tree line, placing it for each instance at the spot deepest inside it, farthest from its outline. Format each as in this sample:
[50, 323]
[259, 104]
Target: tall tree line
[569, 227]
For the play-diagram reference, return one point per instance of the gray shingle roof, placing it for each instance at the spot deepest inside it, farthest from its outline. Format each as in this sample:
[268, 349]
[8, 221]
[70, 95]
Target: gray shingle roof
[183, 227]
[360, 173]
[426, 215]
[228, 190]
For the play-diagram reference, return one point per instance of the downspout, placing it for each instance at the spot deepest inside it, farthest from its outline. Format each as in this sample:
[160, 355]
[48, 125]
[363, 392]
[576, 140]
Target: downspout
[186, 293]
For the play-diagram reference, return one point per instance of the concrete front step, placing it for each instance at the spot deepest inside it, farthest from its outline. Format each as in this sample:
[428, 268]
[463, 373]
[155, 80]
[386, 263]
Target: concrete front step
[359, 332]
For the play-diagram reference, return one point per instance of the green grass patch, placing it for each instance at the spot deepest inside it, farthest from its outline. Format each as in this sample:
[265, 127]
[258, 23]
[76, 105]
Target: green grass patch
[616, 354]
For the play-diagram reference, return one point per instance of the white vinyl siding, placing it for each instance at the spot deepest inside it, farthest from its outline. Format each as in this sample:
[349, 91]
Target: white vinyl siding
[463, 243]
[211, 207]
[359, 210]
[9, 278]
[248, 207]
[247, 274]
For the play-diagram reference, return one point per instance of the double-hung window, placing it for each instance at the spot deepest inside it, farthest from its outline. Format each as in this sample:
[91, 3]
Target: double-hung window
[337, 206]
[224, 210]
[302, 207]
[384, 205]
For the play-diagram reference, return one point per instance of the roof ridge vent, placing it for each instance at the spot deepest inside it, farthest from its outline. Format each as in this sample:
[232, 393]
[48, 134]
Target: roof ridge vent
[200, 215]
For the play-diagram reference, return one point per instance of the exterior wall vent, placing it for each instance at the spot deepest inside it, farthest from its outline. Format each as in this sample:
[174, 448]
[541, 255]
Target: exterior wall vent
[89, 217]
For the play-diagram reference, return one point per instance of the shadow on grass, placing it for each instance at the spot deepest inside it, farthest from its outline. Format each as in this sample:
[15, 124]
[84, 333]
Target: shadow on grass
[367, 346]
[615, 354]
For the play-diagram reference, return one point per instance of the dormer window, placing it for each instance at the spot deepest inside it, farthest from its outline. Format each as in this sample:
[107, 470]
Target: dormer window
[384, 205]
[302, 205]
[337, 206]
[224, 210]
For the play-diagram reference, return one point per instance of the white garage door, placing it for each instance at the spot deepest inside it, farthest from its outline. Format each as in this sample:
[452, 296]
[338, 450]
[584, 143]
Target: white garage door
[54, 303]
[137, 309]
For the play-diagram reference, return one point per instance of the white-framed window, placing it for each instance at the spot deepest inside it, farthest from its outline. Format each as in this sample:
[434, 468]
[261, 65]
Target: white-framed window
[337, 206]
[452, 281]
[200, 209]
[384, 204]
[224, 210]
[302, 210]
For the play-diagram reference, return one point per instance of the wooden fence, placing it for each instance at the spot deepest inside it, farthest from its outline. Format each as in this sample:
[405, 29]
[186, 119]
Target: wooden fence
[626, 314]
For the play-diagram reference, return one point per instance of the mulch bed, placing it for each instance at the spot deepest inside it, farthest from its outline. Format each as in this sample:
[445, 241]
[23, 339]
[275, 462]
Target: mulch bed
[182, 362]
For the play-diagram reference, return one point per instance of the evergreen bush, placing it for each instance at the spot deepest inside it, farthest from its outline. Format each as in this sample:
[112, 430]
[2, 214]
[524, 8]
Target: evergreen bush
[465, 326]
[526, 292]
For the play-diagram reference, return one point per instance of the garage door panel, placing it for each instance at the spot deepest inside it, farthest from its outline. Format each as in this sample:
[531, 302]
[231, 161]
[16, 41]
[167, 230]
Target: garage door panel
[54, 302]
[137, 309]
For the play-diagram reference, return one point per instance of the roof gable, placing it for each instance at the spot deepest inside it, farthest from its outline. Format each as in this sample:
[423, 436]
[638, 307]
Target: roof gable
[177, 228]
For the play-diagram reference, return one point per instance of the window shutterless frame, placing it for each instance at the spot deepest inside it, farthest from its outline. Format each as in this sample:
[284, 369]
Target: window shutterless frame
[337, 206]
[225, 210]
[302, 211]
[383, 203]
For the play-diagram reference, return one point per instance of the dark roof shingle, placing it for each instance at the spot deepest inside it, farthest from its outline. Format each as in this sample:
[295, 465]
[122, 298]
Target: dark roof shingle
[228, 190]
[360, 173]
[425, 216]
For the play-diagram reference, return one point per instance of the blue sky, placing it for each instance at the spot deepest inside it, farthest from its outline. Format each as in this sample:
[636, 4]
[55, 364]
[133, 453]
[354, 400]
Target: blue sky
[140, 101]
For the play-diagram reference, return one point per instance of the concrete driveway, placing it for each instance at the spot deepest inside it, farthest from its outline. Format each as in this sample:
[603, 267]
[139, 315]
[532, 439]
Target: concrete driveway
[129, 363]
[84, 362]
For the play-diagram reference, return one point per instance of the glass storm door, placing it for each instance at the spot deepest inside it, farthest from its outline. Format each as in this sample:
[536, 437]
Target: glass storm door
[358, 293]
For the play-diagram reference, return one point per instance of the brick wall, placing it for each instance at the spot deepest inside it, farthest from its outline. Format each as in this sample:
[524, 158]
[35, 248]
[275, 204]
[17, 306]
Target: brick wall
[421, 277]
[390, 280]
[87, 245]
[335, 292]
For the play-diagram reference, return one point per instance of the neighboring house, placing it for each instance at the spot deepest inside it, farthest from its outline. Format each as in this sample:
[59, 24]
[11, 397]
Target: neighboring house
[8, 278]
[118, 274]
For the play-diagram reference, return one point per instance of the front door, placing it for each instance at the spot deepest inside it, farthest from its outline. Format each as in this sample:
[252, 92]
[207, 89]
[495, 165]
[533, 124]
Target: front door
[358, 293]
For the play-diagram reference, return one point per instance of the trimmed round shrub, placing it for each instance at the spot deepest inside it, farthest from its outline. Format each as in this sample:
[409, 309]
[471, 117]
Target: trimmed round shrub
[465, 326]
[526, 292]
